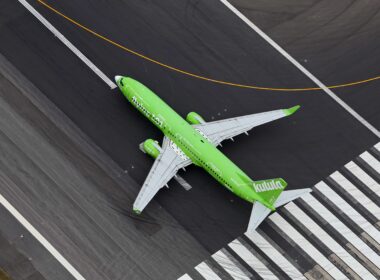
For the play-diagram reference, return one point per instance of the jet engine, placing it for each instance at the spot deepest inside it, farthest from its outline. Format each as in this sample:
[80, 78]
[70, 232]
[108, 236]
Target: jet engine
[194, 118]
[152, 148]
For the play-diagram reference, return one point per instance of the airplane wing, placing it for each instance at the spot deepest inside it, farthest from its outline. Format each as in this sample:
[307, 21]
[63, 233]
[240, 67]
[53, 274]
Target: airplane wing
[218, 131]
[165, 167]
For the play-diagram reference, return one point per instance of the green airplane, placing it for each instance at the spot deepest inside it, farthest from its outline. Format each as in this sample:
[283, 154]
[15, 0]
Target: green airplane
[195, 141]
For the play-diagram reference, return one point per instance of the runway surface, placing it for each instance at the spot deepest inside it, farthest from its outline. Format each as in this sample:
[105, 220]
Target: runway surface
[206, 38]
[22, 257]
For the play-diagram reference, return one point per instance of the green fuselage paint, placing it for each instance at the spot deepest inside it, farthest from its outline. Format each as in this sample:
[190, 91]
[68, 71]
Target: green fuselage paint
[191, 142]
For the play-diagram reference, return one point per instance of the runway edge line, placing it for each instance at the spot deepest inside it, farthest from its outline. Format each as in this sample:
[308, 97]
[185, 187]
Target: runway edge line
[302, 68]
[68, 44]
[41, 239]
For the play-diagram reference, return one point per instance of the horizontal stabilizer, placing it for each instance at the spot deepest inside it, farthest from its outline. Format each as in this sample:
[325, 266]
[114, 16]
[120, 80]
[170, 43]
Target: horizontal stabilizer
[287, 196]
[260, 212]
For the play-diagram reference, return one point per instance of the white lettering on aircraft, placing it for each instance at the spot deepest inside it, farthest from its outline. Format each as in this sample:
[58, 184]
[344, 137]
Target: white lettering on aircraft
[151, 116]
[264, 186]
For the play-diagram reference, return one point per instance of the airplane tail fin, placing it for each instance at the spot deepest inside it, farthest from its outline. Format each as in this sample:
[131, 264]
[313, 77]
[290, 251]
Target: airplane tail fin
[269, 190]
[272, 195]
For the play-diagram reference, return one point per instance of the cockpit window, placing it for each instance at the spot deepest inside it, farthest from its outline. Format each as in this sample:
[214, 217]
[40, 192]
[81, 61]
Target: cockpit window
[121, 82]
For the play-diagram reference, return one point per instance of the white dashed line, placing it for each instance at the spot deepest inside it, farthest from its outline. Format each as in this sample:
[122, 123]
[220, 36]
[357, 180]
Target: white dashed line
[301, 68]
[67, 43]
[41, 239]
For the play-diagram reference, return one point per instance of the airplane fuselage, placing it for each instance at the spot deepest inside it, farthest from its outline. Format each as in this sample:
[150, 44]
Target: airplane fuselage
[191, 142]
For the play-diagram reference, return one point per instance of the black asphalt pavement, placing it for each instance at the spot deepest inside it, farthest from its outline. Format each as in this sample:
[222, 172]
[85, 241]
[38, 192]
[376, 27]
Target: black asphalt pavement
[19, 250]
[337, 41]
[204, 37]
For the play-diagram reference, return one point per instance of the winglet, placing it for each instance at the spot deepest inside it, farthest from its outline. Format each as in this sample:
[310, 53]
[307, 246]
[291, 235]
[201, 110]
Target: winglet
[291, 111]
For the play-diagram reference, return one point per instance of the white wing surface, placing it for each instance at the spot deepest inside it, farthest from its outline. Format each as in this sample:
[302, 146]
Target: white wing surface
[218, 131]
[165, 167]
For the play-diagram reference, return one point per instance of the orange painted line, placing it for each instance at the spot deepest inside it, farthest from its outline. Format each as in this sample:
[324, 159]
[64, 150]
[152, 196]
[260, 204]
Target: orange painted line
[184, 72]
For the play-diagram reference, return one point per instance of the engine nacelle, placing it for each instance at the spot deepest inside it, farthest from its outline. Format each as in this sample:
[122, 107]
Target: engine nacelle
[194, 118]
[152, 148]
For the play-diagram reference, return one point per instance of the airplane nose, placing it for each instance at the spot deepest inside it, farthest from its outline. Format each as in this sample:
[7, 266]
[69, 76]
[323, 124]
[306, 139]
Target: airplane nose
[117, 78]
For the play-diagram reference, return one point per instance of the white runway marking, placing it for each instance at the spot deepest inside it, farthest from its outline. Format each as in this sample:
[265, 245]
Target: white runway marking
[252, 260]
[275, 256]
[67, 43]
[343, 230]
[371, 161]
[377, 146]
[326, 239]
[207, 272]
[356, 194]
[363, 177]
[41, 239]
[302, 69]
[346, 208]
[306, 246]
[185, 277]
[229, 266]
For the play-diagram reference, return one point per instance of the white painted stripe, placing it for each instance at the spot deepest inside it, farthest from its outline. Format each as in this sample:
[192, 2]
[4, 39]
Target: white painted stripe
[302, 69]
[275, 256]
[185, 277]
[207, 272]
[349, 211]
[228, 265]
[306, 246]
[41, 239]
[371, 161]
[377, 146]
[364, 177]
[356, 194]
[252, 260]
[68, 44]
[342, 229]
[326, 239]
